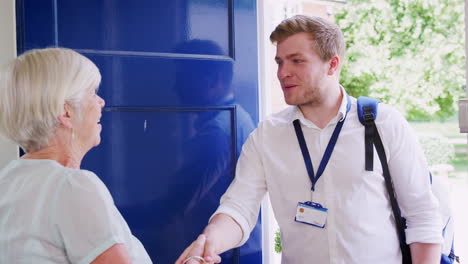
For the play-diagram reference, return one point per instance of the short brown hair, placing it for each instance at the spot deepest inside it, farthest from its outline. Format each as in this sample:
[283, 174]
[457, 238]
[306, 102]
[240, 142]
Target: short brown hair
[327, 38]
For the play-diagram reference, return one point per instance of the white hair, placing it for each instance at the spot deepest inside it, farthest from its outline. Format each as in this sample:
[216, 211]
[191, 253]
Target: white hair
[34, 88]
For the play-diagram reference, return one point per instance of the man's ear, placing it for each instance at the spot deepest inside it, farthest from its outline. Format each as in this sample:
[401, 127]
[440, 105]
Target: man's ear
[334, 64]
[65, 116]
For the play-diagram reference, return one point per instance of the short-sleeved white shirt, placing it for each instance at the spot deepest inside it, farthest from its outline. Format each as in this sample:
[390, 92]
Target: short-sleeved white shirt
[53, 214]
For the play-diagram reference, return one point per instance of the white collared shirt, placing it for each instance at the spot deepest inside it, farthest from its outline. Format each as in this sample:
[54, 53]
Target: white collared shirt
[360, 226]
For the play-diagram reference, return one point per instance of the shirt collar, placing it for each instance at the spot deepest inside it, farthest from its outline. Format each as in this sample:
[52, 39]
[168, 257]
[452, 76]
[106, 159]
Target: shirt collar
[297, 114]
[344, 104]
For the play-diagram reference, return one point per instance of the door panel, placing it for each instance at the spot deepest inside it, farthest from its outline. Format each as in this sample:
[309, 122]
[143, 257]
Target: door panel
[180, 83]
[164, 81]
[155, 26]
[182, 172]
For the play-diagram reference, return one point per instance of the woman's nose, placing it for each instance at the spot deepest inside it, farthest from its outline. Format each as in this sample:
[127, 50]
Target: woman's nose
[102, 103]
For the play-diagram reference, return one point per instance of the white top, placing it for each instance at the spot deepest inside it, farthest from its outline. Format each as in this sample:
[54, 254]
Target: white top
[360, 226]
[53, 214]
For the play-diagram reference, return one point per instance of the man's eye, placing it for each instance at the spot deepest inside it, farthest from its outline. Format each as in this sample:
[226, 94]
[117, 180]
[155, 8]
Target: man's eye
[297, 61]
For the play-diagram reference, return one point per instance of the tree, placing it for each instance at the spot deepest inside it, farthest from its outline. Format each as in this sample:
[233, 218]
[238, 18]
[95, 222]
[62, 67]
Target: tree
[408, 53]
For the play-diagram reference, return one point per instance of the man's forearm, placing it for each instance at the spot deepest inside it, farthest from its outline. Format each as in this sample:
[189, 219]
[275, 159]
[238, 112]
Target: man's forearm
[223, 233]
[423, 253]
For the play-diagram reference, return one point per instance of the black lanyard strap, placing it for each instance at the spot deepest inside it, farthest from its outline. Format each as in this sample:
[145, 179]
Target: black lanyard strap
[328, 150]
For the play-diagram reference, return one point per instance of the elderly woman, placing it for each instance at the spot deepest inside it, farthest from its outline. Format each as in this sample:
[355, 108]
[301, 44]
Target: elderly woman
[51, 211]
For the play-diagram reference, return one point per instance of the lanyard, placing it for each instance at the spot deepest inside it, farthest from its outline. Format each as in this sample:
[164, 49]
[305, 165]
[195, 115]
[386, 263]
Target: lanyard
[328, 150]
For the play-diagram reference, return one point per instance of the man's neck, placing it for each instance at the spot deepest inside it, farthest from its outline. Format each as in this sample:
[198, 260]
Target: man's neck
[321, 114]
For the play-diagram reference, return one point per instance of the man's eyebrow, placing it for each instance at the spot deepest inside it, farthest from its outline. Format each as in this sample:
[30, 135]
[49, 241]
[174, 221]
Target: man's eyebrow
[297, 54]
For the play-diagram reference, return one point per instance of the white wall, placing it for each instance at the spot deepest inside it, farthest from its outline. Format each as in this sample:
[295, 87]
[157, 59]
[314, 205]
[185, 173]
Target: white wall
[466, 44]
[8, 151]
[466, 50]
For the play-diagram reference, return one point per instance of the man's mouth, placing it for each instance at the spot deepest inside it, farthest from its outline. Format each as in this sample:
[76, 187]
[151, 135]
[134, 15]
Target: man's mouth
[289, 86]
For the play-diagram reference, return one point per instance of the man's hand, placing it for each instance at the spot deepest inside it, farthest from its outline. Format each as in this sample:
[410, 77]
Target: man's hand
[201, 247]
[221, 234]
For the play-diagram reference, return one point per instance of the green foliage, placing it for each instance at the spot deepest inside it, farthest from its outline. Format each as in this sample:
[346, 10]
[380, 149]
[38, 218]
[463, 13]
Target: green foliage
[408, 53]
[278, 246]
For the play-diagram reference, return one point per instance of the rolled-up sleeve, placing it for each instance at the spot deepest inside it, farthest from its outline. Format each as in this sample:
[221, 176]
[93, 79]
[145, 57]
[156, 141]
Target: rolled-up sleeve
[410, 177]
[243, 197]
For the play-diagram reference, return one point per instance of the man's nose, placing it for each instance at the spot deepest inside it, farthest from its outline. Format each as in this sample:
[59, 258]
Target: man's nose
[283, 72]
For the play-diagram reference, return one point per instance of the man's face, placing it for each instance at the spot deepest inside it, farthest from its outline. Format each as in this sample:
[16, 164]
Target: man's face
[301, 72]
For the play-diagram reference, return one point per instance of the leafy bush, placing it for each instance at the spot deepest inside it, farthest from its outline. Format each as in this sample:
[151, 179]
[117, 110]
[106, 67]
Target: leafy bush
[408, 53]
[278, 246]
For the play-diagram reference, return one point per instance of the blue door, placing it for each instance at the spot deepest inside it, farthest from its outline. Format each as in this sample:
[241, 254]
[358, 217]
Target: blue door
[181, 91]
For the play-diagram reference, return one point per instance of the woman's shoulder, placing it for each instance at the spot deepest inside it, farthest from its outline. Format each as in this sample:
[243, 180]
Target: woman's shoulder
[80, 175]
[84, 182]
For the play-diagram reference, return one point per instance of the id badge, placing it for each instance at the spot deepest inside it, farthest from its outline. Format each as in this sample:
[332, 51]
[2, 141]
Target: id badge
[312, 214]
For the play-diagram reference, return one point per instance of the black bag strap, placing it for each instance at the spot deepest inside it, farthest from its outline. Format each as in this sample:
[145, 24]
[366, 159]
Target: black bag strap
[400, 222]
[367, 112]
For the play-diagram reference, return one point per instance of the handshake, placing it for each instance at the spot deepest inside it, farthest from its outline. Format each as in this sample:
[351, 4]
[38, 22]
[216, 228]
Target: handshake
[200, 251]
[221, 234]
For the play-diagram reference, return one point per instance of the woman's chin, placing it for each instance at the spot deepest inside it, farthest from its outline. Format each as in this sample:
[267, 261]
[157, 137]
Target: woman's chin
[98, 141]
[98, 136]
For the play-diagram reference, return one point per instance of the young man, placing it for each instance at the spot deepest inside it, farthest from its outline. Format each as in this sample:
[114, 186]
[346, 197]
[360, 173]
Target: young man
[348, 217]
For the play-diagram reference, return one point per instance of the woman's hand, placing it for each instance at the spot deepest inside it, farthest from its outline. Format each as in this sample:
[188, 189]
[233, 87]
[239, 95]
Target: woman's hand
[198, 250]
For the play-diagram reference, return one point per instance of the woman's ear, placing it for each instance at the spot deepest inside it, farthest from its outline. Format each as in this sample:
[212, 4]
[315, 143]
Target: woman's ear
[334, 65]
[65, 117]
